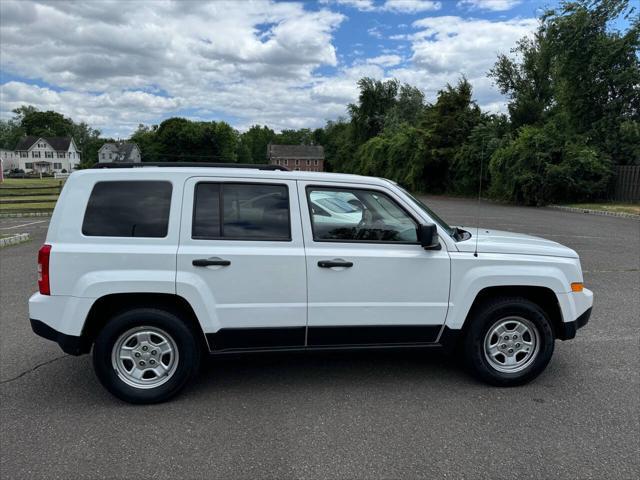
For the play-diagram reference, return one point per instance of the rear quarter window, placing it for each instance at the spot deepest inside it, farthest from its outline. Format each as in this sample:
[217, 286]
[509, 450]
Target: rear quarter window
[128, 209]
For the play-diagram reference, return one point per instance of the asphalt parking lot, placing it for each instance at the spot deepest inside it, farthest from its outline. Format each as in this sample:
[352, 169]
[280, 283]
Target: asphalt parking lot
[346, 415]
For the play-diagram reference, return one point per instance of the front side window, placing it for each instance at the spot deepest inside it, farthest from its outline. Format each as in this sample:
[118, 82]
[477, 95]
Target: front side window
[128, 209]
[241, 211]
[352, 215]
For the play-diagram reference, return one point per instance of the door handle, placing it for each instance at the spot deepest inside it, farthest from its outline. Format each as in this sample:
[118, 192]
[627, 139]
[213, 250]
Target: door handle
[207, 262]
[334, 263]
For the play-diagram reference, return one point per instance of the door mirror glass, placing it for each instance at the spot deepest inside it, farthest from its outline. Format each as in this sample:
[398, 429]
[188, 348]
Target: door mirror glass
[428, 235]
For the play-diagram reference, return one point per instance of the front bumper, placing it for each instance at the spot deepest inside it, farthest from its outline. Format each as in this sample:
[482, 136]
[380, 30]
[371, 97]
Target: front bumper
[68, 343]
[569, 329]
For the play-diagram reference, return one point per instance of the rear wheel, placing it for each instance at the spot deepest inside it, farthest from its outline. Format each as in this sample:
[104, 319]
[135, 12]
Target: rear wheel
[145, 355]
[509, 342]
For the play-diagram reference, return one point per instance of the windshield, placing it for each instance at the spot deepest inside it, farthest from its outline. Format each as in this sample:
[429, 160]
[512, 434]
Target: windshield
[429, 212]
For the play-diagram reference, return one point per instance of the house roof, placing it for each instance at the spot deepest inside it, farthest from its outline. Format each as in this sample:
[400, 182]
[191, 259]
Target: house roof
[296, 151]
[60, 144]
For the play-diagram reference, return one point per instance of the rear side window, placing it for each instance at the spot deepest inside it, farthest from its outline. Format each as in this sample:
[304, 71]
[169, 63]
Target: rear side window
[128, 209]
[241, 211]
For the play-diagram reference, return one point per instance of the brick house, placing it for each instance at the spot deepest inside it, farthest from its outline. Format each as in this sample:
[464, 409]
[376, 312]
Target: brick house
[308, 158]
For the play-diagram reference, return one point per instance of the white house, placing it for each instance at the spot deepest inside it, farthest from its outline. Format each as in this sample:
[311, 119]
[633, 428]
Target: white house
[46, 154]
[119, 152]
[9, 159]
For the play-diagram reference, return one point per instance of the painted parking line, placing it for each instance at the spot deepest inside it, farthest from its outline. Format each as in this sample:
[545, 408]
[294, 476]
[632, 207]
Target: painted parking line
[23, 225]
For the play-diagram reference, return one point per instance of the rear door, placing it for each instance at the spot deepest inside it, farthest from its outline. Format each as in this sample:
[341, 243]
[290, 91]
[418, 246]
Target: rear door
[369, 280]
[241, 261]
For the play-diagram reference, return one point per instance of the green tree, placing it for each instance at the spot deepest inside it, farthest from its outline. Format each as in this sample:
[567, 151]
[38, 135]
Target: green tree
[582, 69]
[541, 166]
[256, 140]
[446, 126]
[150, 149]
[474, 154]
[303, 136]
[407, 110]
[46, 124]
[374, 102]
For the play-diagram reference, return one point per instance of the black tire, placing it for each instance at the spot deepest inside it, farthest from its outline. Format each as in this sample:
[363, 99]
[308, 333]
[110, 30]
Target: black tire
[484, 318]
[188, 359]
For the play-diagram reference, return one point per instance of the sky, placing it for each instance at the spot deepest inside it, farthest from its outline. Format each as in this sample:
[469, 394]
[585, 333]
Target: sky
[116, 64]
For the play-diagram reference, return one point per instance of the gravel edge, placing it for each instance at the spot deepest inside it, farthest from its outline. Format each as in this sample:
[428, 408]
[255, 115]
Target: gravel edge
[25, 214]
[14, 239]
[595, 212]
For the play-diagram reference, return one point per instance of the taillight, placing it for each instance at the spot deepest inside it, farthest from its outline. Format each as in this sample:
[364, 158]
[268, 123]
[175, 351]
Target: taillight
[43, 269]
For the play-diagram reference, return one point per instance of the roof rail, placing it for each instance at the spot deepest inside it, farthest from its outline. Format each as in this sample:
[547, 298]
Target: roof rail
[258, 166]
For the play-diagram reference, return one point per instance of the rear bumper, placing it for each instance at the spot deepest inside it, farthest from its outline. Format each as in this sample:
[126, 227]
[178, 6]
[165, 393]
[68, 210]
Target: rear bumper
[569, 329]
[68, 343]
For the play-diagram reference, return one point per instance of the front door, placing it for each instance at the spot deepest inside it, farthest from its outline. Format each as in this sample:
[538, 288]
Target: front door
[241, 262]
[369, 280]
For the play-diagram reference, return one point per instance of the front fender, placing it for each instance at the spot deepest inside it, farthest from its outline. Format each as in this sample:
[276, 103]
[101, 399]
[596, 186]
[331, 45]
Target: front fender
[470, 275]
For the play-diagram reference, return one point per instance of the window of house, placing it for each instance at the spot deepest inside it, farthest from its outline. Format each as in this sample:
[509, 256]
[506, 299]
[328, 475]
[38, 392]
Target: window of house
[48, 154]
[297, 162]
[60, 154]
[308, 162]
[28, 165]
[128, 209]
[285, 162]
[357, 215]
[24, 154]
[35, 154]
[241, 211]
[57, 166]
[315, 162]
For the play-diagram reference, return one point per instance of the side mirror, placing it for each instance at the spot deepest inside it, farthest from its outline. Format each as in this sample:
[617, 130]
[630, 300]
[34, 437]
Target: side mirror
[428, 236]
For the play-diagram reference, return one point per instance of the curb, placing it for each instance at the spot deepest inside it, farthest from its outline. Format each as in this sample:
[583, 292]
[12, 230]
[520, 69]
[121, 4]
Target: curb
[595, 212]
[25, 214]
[14, 240]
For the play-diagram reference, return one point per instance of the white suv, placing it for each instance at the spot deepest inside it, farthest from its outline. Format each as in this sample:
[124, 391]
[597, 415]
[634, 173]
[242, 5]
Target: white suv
[153, 266]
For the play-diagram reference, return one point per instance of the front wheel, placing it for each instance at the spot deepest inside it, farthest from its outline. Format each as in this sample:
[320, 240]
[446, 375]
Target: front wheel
[145, 355]
[509, 342]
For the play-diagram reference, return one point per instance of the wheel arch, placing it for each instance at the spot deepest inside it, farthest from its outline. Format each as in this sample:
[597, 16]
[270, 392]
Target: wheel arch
[109, 305]
[544, 297]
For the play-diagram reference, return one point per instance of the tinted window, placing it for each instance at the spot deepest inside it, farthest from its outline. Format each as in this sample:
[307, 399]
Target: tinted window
[128, 209]
[366, 216]
[249, 211]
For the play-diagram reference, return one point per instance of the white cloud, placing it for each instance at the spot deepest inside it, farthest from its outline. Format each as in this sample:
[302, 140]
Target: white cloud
[122, 111]
[451, 43]
[221, 57]
[493, 5]
[362, 5]
[411, 6]
[248, 62]
[395, 6]
[447, 47]
[385, 60]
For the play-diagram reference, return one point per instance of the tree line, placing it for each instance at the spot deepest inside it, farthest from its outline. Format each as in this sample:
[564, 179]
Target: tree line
[573, 92]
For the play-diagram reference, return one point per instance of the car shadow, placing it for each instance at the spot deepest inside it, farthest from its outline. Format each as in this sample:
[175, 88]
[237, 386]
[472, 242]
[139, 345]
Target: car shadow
[318, 369]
